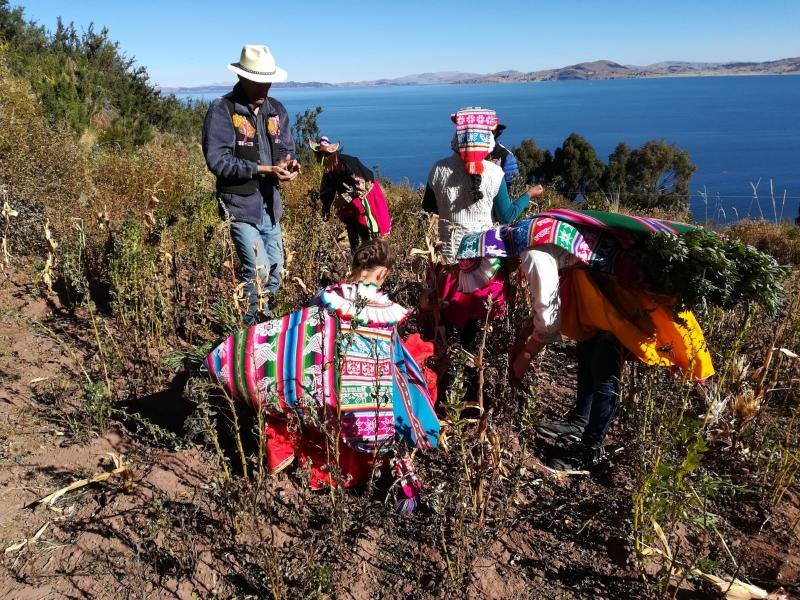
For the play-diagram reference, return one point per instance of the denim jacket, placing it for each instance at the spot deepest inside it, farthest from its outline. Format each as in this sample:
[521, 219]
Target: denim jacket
[219, 139]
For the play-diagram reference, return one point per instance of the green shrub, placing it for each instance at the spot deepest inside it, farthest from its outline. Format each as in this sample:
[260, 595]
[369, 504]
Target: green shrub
[77, 76]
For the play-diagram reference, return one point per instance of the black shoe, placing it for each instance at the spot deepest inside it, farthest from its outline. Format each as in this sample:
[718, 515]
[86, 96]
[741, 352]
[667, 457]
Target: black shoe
[561, 430]
[578, 458]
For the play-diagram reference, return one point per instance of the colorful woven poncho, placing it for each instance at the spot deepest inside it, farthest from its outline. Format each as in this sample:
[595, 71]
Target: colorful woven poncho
[341, 361]
[474, 138]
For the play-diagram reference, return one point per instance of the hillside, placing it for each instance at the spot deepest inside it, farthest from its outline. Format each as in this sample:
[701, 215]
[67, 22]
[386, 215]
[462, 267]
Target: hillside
[605, 69]
[595, 70]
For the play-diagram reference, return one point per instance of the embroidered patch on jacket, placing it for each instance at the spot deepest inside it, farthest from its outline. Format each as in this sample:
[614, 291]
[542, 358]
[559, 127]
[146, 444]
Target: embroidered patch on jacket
[274, 126]
[244, 127]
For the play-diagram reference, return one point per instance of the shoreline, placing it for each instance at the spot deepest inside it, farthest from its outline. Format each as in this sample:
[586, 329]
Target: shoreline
[339, 86]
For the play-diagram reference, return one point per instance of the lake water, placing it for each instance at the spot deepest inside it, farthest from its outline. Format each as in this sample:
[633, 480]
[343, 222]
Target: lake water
[737, 130]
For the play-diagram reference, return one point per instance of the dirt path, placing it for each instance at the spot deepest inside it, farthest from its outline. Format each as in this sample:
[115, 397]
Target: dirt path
[87, 544]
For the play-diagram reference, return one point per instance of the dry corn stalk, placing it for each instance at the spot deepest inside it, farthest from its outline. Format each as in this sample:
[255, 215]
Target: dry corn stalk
[240, 301]
[302, 284]
[26, 541]
[731, 589]
[119, 467]
[103, 218]
[662, 538]
[47, 271]
[746, 405]
[7, 213]
[740, 368]
[152, 202]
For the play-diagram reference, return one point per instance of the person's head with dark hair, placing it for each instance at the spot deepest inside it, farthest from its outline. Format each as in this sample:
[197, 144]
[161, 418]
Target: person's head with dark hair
[372, 262]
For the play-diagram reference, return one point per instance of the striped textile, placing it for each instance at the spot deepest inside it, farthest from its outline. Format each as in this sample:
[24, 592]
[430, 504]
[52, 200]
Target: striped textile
[279, 364]
[382, 391]
[576, 231]
[617, 222]
[366, 394]
[316, 360]
[592, 247]
[415, 419]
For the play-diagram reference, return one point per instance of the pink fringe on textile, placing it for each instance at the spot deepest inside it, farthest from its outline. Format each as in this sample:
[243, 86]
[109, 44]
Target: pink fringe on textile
[409, 483]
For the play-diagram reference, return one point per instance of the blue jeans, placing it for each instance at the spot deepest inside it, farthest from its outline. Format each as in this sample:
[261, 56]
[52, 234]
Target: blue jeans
[260, 251]
[600, 362]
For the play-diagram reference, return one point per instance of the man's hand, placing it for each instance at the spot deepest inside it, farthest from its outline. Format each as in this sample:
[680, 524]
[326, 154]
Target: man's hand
[290, 164]
[534, 191]
[294, 166]
[278, 172]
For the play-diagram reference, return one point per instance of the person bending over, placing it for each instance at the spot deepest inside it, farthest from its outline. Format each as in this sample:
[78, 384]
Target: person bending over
[600, 361]
[351, 188]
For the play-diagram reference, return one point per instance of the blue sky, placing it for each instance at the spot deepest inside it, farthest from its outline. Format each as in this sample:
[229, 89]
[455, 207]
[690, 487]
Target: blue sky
[183, 42]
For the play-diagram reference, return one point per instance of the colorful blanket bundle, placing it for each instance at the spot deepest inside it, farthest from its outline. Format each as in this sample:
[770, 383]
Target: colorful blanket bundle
[589, 235]
[619, 223]
[604, 243]
[600, 240]
[279, 363]
[337, 366]
[474, 138]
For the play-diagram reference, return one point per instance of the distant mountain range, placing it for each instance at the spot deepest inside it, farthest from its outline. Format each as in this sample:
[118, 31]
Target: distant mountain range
[596, 70]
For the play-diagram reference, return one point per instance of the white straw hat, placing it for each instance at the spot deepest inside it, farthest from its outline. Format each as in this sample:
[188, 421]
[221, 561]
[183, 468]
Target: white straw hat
[257, 64]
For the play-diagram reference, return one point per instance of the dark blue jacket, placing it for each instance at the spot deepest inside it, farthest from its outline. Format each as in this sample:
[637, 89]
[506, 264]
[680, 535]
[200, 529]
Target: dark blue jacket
[219, 137]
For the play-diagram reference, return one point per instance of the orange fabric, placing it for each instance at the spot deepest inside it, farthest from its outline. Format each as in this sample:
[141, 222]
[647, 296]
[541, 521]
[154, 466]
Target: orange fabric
[421, 351]
[647, 328]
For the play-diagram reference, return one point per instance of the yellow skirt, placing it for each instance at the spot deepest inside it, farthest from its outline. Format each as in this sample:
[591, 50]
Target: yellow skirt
[648, 329]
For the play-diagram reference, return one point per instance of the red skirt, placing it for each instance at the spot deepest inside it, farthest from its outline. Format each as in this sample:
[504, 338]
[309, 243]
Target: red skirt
[461, 308]
[285, 441]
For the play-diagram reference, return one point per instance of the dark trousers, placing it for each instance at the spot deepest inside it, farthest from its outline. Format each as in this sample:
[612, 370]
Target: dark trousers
[357, 234]
[600, 362]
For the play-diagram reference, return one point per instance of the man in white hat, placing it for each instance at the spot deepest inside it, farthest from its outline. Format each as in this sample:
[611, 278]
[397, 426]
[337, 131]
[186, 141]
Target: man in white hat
[248, 146]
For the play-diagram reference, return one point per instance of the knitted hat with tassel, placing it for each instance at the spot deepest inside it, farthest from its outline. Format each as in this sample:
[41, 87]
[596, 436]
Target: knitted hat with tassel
[474, 139]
